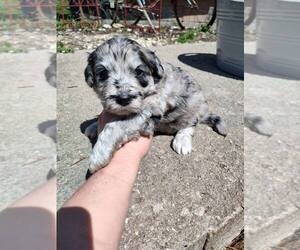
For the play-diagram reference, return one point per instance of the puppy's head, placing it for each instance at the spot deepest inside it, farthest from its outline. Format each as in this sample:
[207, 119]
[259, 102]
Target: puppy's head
[123, 74]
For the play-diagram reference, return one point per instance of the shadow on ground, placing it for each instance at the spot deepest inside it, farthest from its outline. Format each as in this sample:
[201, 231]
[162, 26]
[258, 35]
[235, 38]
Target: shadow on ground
[15, 220]
[48, 128]
[251, 67]
[205, 62]
[74, 223]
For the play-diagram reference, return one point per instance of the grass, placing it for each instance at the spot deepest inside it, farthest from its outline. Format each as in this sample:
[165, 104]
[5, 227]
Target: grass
[62, 8]
[61, 48]
[188, 36]
[14, 15]
[191, 34]
[6, 47]
[13, 7]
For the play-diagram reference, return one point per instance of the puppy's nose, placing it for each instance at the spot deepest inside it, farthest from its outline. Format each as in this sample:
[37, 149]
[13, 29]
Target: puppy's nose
[123, 99]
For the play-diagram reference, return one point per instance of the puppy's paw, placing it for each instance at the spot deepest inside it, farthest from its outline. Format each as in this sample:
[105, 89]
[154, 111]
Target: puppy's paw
[148, 129]
[96, 164]
[182, 144]
[99, 158]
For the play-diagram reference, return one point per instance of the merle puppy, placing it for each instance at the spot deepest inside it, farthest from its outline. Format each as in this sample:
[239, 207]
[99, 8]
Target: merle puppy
[146, 96]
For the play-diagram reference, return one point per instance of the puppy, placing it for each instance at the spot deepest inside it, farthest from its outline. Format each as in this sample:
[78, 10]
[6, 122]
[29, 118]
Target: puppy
[146, 95]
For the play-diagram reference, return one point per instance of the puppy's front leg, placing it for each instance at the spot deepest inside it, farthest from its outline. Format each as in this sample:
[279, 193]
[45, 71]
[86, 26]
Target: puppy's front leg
[156, 105]
[115, 134]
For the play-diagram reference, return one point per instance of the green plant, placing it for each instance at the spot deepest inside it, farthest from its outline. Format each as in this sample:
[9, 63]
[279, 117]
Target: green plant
[191, 34]
[61, 48]
[59, 25]
[187, 36]
[204, 28]
[6, 47]
[12, 7]
[62, 9]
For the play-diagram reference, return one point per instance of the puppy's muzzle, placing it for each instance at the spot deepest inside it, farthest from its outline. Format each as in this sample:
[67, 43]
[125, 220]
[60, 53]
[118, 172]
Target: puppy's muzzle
[124, 99]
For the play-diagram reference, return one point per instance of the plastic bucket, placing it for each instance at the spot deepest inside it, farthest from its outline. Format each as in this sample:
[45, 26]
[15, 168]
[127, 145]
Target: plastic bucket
[230, 33]
[278, 36]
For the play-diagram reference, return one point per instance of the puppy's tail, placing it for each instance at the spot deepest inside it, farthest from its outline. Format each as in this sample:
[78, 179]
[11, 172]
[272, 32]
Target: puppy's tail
[216, 123]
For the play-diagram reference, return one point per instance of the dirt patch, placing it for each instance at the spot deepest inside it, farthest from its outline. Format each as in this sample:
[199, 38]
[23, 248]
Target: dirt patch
[81, 38]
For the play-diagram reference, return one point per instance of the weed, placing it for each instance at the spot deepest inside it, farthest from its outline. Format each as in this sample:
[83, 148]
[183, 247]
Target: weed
[6, 47]
[61, 48]
[187, 36]
[191, 34]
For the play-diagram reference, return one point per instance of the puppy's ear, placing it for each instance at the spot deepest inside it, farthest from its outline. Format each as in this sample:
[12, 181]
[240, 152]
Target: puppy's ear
[89, 75]
[152, 61]
[89, 70]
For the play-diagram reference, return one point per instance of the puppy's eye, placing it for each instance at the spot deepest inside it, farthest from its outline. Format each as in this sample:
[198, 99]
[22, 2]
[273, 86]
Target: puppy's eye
[141, 76]
[102, 73]
[139, 72]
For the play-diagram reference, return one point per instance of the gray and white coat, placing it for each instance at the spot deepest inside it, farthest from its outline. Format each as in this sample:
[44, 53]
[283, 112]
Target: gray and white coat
[146, 95]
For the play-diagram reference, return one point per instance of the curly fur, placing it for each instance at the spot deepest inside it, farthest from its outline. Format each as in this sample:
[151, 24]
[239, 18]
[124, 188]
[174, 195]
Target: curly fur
[147, 95]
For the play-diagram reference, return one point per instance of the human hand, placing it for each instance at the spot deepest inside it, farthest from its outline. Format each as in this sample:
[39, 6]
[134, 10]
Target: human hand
[131, 152]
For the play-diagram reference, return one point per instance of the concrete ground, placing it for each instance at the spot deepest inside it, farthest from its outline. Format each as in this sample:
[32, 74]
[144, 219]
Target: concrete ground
[178, 202]
[27, 102]
[272, 173]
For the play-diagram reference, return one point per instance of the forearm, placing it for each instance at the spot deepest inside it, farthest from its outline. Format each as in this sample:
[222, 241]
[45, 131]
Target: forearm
[43, 197]
[29, 223]
[105, 199]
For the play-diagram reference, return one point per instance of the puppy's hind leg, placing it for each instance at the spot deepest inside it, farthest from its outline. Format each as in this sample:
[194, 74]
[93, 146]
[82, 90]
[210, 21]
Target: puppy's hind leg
[182, 142]
[91, 130]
